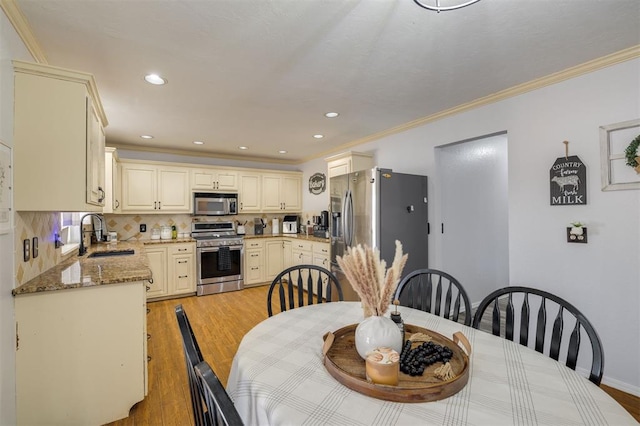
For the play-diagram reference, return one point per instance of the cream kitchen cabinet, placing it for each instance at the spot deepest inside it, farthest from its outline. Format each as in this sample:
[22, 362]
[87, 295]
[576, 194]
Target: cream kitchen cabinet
[80, 348]
[281, 192]
[173, 269]
[182, 268]
[321, 255]
[348, 162]
[274, 257]
[59, 117]
[254, 270]
[214, 179]
[155, 189]
[249, 192]
[157, 257]
[302, 252]
[112, 181]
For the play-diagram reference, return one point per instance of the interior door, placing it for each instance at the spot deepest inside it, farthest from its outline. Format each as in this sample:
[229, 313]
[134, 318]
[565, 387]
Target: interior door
[474, 211]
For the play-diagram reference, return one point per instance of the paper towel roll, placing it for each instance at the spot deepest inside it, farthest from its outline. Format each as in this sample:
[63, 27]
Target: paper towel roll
[275, 226]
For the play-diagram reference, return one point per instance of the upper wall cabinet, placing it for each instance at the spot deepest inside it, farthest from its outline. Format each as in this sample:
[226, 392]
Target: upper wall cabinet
[58, 140]
[213, 179]
[281, 192]
[348, 162]
[112, 202]
[249, 192]
[153, 188]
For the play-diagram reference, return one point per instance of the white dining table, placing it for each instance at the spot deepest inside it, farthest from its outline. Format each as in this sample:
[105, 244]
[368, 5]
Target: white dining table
[278, 378]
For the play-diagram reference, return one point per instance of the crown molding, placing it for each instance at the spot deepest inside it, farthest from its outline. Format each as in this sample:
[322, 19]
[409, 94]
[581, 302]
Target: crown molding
[569, 73]
[194, 153]
[68, 75]
[23, 28]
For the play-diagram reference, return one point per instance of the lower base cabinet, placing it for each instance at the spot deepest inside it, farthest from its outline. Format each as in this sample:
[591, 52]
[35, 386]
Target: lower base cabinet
[173, 269]
[81, 355]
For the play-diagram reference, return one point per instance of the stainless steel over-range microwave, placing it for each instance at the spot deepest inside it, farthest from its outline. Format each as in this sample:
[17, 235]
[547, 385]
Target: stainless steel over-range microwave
[214, 204]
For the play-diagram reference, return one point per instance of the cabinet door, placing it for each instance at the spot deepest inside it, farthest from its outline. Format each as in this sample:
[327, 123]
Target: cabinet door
[287, 257]
[139, 187]
[173, 189]
[271, 199]
[339, 167]
[301, 257]
[95, 157]
[116, 174]
[249, 193]
[202, 179]
[291, 193]
[274, 258]
[227, 180]
[157, 257]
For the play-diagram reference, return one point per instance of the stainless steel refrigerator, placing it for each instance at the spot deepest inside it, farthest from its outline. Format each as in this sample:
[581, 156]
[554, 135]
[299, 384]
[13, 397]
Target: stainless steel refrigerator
[377, 207]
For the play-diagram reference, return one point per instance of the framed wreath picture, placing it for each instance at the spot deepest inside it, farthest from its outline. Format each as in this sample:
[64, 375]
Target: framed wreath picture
[619, 155]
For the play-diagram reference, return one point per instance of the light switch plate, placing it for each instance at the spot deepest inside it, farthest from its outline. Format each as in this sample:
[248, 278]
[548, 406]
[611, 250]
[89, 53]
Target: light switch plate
[26, 249]
[34, 247]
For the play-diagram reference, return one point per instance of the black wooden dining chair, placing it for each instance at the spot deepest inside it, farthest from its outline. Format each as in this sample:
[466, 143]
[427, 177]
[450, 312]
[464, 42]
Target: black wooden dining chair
[433, 291]
[524, 298]
[302, 285]
[220, 408]
[204, 413]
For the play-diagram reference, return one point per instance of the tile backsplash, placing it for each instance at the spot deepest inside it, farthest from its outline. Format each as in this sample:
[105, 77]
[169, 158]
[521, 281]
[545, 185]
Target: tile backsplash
[128, 226]
[44, 225]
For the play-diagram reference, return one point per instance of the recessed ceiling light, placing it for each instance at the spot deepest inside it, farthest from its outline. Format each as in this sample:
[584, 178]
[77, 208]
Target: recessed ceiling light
[146, 137]
[155, 79]
[282, 151]
[198, 142]
[331, 114]
[242, 147]
[318, 136]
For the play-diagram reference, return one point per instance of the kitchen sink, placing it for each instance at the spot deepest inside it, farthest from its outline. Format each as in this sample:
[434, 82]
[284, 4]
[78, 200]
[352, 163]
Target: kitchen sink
[112, 253]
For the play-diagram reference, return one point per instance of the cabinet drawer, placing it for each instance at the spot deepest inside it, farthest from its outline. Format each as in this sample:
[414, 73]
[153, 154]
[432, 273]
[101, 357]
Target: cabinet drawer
[181, 248]
[321, 248]
[301, 245]
[253, 244]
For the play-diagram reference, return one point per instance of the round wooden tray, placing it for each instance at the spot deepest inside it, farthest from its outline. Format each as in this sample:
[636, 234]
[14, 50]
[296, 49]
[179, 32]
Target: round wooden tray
[343, 362]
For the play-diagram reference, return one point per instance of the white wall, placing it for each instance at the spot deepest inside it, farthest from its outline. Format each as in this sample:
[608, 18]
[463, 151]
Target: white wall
[601, 278]
[11, 47]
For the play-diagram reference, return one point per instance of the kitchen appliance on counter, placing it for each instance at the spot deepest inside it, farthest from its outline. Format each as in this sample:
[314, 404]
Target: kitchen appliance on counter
[219, 257]
[321, 230]
[290, 224]
[258, 226]
[214, 204]
[376, 207]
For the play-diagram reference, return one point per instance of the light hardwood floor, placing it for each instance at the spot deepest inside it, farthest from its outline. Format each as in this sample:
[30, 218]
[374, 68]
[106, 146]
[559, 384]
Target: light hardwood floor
[219, 323]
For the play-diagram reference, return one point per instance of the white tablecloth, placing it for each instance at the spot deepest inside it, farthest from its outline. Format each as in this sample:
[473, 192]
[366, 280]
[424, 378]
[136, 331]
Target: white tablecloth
[278, 378]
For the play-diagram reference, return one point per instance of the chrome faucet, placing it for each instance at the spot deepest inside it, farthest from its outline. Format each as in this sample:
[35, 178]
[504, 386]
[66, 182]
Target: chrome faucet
[82, 250]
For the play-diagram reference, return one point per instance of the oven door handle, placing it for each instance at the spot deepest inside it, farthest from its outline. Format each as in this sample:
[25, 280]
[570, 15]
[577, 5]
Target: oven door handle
[211, 249]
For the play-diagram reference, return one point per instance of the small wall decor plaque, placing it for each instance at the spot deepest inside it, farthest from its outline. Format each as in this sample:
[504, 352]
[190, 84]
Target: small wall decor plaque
[568, 180]
[317, 183]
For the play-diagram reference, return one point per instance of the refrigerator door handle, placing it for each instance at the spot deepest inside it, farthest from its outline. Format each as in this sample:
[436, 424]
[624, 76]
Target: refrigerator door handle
[345, 230]
[350, 217]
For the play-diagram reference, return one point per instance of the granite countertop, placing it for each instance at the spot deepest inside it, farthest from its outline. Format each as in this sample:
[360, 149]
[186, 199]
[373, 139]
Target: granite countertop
[77, 272]
[296, 236]
[172, 241]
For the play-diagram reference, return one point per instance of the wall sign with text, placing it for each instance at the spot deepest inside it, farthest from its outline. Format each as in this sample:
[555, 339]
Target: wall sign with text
[317, 183]
[568, 182]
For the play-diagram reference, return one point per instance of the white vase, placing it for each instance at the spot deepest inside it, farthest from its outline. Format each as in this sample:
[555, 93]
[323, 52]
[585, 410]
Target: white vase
[375, 332]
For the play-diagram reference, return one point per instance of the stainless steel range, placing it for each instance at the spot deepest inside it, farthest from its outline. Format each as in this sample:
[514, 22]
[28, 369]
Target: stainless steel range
[219, 257]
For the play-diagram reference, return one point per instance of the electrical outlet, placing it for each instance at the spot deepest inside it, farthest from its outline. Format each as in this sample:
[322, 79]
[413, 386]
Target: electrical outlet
[34, 247]
[143, 227]
[26, 249]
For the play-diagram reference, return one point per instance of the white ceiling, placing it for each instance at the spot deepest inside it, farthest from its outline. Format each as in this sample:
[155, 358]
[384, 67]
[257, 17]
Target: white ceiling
[262, 73]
